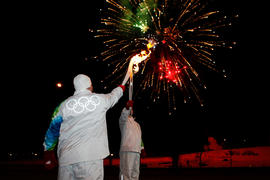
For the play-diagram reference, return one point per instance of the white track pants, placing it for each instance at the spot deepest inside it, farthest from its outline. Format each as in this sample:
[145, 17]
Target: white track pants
[89, 170]
[129, 166]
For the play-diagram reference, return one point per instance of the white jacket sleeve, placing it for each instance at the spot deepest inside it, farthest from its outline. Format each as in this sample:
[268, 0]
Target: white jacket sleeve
[112, 98]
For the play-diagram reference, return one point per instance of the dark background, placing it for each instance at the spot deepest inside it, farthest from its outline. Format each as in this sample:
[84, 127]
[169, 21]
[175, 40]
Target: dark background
[48, 42]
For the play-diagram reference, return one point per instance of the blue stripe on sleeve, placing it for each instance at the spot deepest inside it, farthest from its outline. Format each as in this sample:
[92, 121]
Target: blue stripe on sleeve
[52, 133]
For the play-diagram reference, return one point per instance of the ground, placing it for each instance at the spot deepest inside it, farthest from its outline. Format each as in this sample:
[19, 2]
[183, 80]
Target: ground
[34, 172]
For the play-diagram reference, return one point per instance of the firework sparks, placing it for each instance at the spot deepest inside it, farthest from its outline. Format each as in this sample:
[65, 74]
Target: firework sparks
[185, 36]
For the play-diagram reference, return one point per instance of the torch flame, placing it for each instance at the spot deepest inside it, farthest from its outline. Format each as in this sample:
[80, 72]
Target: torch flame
[138, 58]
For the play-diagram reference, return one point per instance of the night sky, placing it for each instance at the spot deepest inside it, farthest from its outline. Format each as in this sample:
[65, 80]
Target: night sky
[46, 43]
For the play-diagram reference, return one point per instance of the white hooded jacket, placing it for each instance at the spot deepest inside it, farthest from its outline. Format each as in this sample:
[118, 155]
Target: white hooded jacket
[83, 131]
[131, 135]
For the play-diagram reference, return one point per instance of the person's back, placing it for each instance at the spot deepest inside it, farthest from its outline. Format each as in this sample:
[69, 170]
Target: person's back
[83, 133]
[130, 133]
[130, 146]
[79, 126]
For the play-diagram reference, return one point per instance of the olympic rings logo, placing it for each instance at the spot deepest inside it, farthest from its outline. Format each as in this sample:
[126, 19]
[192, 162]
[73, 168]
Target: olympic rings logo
[83, 104]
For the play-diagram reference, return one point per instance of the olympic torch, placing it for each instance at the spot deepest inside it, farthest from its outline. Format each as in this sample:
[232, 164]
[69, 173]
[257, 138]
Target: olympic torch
[134, 64]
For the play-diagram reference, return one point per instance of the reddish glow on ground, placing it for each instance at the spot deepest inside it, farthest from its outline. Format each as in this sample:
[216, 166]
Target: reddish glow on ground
[242, 157]
[149, 162]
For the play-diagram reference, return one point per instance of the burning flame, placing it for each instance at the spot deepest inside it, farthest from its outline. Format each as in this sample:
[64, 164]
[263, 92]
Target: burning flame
[138, 58]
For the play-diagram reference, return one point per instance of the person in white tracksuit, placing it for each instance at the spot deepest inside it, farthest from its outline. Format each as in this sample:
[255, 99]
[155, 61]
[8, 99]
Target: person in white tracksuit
[79, 127]
[131, 145]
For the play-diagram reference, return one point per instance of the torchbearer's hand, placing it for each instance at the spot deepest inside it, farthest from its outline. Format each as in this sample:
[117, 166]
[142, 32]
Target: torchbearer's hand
[129, 104]
[123, 87]
[50, 161]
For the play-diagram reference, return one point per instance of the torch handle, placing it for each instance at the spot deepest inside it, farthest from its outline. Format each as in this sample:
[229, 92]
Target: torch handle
[130, 91]
[130, 87]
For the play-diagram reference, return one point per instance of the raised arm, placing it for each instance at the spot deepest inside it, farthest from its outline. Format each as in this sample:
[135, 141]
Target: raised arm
[125, 113]
[112, 98]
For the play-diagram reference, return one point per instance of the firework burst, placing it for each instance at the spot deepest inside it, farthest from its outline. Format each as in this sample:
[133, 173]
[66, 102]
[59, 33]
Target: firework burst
[185, 33]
